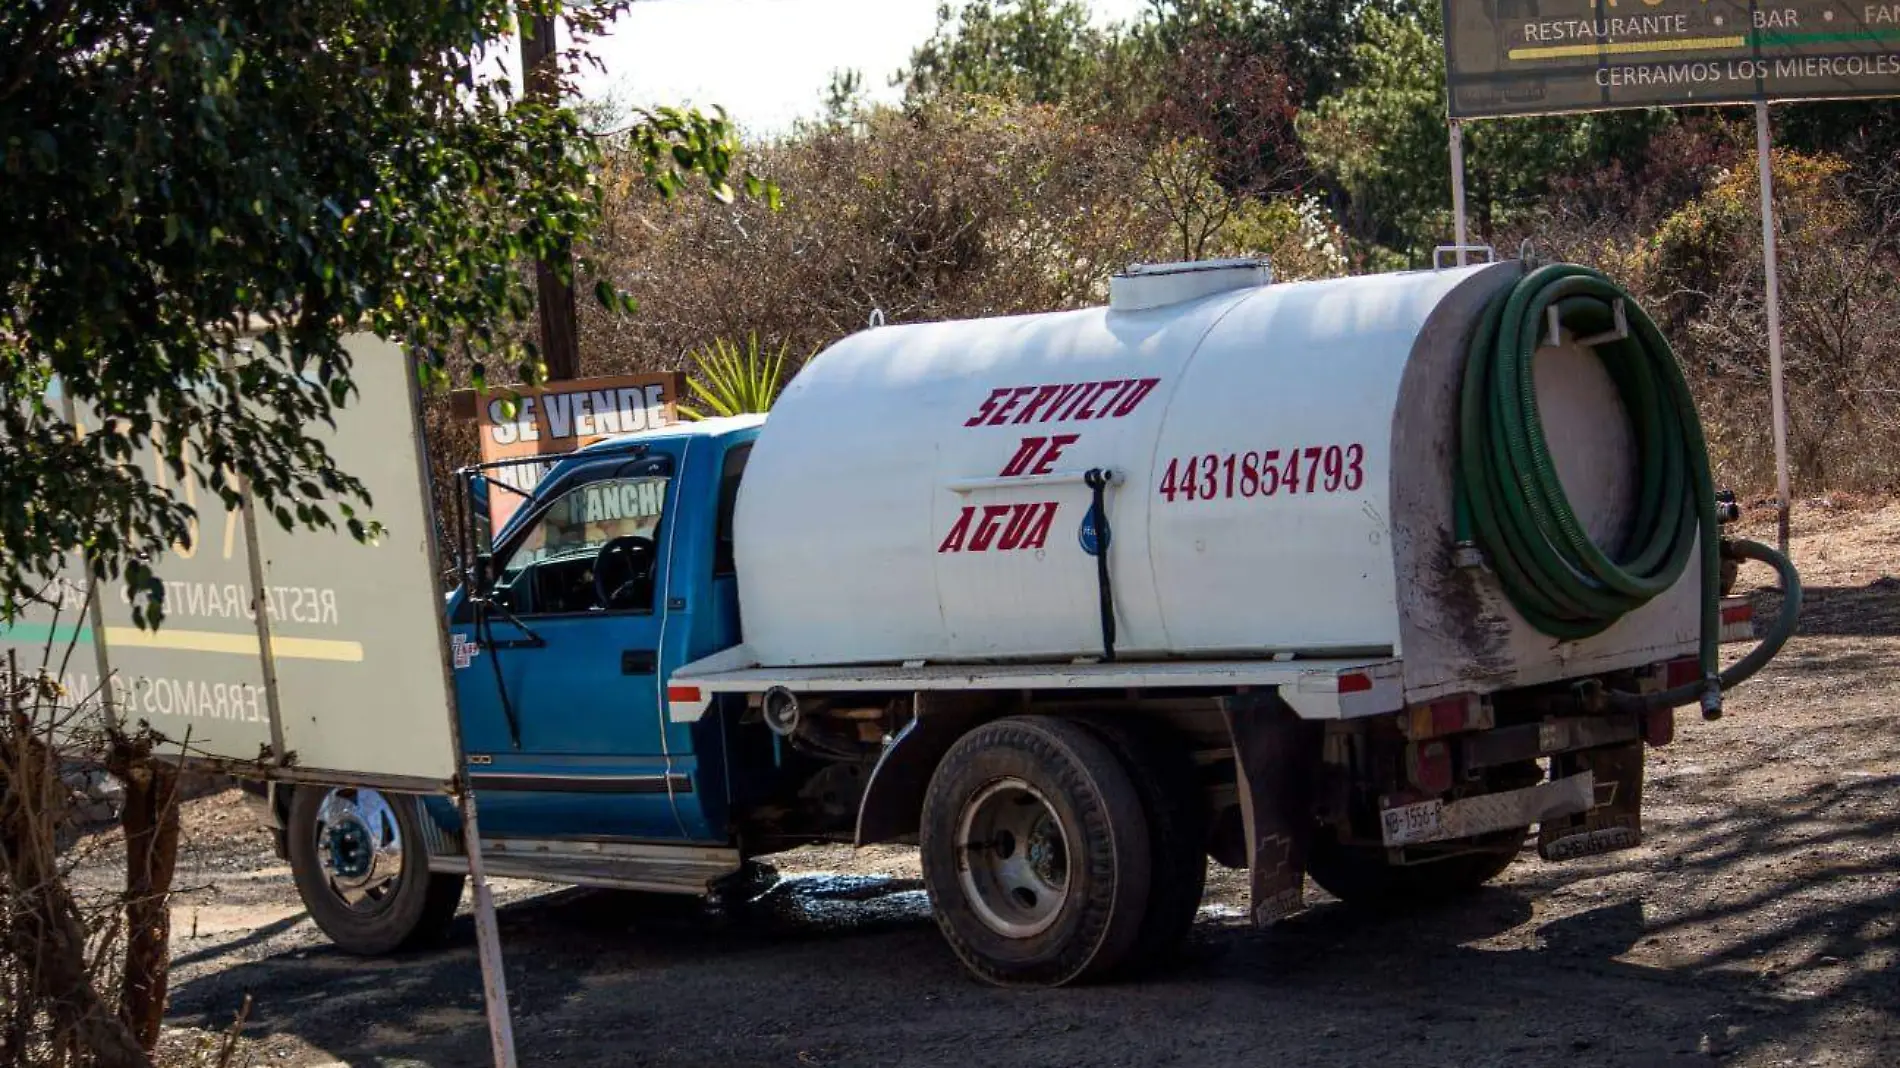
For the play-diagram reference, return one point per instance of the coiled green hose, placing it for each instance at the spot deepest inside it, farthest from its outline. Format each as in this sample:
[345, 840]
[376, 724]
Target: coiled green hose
[1511, 503]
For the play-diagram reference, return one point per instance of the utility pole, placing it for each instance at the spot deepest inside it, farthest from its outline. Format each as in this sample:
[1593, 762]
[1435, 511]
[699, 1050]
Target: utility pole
[560, 340]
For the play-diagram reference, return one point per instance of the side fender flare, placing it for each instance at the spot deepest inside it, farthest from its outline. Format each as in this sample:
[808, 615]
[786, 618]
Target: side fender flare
[893, 802]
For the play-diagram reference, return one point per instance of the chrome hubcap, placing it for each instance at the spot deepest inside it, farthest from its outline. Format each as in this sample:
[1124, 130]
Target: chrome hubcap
[359, 844]
[1013, 858]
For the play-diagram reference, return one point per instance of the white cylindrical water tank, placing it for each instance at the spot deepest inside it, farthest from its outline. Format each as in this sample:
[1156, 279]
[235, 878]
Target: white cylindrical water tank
[918, 492]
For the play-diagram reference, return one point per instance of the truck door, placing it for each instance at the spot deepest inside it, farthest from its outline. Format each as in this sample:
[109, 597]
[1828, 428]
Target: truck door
[560, 682]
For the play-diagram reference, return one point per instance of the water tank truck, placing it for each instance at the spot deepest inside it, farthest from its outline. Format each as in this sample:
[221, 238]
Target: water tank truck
[1372, 579]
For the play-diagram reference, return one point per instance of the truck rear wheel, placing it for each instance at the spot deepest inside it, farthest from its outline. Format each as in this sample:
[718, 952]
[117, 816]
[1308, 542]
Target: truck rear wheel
[1036, 853]
[362, 869]
[1360, 874]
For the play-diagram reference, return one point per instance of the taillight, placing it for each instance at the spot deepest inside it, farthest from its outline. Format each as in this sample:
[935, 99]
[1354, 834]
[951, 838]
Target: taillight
[1428, 766]
[1355, 683]
[1447, 715]
[683, 694]
[1682, 672]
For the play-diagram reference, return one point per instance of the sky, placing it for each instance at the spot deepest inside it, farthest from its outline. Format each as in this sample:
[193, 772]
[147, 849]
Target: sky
[767, 61]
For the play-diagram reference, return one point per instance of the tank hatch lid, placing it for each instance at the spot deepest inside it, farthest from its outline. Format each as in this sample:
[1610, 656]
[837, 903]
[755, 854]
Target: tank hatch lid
[1155, 285]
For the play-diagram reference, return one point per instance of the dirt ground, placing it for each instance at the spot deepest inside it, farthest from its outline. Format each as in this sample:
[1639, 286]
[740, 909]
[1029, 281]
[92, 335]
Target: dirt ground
[1756, 927]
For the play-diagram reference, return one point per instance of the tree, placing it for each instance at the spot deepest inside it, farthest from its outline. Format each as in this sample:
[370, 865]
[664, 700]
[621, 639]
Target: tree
[946, 208]
[1382, 143]
[180, 177]
[188, 181]
[1317, 40]
[1839, 260]
[843, 97]
[1179, 186]
[1240, 104]
[1038, 51]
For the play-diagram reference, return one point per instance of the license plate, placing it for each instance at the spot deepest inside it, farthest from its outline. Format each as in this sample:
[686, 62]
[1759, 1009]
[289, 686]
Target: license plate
[1421, 822]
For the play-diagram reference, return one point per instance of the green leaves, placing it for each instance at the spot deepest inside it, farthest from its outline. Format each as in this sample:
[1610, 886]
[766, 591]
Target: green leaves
[676, 143]
[1040, 51]
[729, 380]
[181, 175]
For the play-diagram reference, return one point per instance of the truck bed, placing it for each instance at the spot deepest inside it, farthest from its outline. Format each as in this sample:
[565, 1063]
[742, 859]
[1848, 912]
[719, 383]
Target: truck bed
[1318, 689]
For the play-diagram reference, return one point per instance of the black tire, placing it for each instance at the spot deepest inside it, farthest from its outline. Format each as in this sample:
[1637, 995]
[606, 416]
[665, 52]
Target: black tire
[1164, 775]
[1360, 876]
[417, 910]
[1082, 788]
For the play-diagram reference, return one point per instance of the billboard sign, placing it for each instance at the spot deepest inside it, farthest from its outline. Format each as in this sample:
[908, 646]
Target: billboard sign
[1538, 57]
[519, 422]
[356, 670]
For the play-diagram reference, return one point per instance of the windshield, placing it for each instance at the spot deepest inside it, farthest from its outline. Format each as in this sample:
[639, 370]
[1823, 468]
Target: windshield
[583, 519]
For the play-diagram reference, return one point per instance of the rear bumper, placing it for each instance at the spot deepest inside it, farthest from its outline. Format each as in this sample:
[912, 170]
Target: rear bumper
[1438, 821]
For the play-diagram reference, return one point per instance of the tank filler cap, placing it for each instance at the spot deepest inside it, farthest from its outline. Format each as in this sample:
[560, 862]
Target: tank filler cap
[1156, 285]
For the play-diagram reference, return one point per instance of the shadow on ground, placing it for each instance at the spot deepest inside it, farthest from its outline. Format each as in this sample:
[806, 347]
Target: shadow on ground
[849, 970]
[1869, 611]
[1760, 925]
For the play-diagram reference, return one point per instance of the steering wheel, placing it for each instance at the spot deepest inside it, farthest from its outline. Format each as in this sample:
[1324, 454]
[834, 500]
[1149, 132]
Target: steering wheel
[620, 568]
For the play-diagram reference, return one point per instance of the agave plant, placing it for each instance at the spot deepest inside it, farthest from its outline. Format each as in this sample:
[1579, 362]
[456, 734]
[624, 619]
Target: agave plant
[730, 380]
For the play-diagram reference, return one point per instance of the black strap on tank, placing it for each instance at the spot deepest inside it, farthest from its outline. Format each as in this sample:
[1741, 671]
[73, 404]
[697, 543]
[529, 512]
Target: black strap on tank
[1097, 481]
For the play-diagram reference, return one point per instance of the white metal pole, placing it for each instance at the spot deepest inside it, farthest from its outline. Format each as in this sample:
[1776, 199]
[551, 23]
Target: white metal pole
[501, 1026]
[95, 600]
[260, 613]
[1778, 405]
[1460, 236]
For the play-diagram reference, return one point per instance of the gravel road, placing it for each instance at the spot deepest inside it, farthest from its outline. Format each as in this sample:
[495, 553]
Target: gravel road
[1756, 927]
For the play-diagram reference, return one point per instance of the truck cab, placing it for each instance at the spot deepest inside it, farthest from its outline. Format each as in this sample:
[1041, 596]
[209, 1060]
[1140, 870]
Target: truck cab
[572, 613]
[616, 571]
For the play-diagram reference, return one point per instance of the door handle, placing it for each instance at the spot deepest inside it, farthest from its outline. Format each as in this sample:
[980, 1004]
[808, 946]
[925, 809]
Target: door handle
[639, 662]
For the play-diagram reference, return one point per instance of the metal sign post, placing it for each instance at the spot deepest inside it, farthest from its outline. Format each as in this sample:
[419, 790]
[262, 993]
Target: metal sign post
[501, 1023]
[1777, 402]
[501, 1026]
[1461, 236]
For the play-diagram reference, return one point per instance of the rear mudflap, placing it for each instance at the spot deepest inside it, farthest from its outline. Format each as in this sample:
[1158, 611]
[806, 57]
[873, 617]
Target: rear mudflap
[1275, 754]
[1615, 821]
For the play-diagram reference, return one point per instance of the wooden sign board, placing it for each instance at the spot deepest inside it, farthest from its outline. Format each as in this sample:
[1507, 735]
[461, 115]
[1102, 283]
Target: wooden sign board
[553, 420]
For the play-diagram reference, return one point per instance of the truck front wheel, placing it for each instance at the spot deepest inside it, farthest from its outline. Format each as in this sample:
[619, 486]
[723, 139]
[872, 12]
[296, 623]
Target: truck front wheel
[362, 869]
[1360, 875]
[1035, 852]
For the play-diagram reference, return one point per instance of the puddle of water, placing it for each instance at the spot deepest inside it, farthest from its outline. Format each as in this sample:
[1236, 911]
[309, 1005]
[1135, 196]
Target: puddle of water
[834, 899]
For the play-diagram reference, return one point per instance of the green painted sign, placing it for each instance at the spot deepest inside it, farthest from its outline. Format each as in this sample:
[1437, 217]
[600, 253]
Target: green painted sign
[1538, 57]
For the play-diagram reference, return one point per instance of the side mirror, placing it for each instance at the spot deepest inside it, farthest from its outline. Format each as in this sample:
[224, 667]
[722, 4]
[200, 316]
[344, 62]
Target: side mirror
[480, 577]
